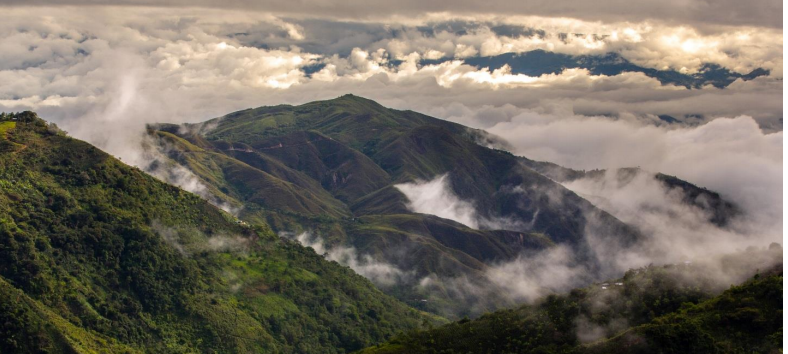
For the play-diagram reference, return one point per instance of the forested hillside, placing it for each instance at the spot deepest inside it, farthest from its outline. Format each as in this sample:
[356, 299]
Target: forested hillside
[97, 256]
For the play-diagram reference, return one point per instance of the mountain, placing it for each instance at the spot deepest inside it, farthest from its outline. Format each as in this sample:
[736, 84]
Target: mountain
[336, 169]
[657, 309]
[333, 167]
[540, 62]
[97, 256]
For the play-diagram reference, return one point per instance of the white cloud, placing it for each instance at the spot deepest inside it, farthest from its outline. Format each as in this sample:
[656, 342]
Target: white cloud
[530, 277]
[192, 64]
[436, 197]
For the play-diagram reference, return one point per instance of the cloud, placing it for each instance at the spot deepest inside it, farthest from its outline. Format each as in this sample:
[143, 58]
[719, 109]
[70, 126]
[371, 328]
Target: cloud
[381, 273]
[436, 197]
[188, 241]
[672, 231]
[529, 277]
[588, 331]
[77, 67]
[153, 159]
[170, 236]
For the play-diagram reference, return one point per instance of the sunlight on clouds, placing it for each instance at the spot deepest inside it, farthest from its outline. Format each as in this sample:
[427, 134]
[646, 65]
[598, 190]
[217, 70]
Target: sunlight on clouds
[191, 64]
[649, 44]
[197, 63]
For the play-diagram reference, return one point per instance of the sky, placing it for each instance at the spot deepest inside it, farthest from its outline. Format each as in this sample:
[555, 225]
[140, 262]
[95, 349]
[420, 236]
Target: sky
[102, 70]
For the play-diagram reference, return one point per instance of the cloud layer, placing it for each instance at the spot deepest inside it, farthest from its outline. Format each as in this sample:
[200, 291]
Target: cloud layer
[728, 155]
[95, 70]
[696, 12]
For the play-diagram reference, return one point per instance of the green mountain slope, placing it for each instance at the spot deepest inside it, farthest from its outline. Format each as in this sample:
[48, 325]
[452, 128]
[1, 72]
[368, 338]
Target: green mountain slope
[666, 309]
[331, 166]
[97, 256]
[388, 147]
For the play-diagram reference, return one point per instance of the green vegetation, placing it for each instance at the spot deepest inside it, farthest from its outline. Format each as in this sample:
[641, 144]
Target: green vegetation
[97, 256]
[7, 145]
[653, 310]
[745, 319]
[5, 127]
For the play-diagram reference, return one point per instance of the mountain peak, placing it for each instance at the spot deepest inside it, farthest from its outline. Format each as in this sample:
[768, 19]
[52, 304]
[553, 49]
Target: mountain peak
[349, 97]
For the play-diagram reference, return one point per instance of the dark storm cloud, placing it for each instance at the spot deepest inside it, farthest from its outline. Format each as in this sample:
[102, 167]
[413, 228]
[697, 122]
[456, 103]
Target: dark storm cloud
[767, 13]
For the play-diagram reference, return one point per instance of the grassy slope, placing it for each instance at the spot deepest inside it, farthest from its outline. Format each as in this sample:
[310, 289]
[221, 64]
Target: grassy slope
[445, 251]
[284, 142]
[103, 256]
[29, 326]
[5, 144]
[249, 185]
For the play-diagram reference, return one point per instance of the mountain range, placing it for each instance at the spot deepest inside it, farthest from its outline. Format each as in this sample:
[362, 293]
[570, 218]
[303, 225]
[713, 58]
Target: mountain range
[305, 236]
[540, 62]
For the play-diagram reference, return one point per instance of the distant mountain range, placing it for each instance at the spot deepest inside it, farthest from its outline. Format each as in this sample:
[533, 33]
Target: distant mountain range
[540, 62]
